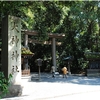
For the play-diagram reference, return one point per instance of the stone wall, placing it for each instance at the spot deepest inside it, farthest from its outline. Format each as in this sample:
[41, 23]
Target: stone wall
[93, 72]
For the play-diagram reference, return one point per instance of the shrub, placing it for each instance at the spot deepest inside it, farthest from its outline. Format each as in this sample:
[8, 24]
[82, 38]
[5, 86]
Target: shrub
[92, 55]
[4, 84]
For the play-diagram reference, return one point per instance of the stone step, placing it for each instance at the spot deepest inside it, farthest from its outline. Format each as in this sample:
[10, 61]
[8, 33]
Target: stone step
[93, 72]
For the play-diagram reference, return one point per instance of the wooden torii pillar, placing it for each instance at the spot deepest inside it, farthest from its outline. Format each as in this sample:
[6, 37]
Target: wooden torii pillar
[26, 41]
[54, 36]
[54, 52]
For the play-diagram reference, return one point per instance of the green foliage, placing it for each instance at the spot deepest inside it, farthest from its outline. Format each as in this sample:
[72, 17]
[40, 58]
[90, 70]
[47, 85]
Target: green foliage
[92, 55]
[83, 64]
[79, 20]
[25, 51]
[4, 84]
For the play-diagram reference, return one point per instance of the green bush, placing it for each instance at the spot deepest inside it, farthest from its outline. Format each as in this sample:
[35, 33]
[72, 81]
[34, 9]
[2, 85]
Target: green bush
[91, 55]
[4, 84]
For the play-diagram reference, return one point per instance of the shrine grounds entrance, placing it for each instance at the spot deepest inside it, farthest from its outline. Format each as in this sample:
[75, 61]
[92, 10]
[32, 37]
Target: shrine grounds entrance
[52, 42]
[47, 87]
[11, 51]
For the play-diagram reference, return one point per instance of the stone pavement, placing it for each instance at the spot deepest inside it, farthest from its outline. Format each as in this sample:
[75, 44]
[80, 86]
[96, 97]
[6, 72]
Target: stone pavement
[58, 88]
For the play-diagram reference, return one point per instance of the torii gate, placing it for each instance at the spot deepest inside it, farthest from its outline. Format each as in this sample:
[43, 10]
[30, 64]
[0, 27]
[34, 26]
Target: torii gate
[53, 43]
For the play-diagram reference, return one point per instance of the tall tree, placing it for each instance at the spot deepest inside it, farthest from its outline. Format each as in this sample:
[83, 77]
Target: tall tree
[79, 20]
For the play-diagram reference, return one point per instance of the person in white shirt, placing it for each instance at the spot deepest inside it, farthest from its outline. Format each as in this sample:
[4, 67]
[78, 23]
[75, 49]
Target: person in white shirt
[53, 71]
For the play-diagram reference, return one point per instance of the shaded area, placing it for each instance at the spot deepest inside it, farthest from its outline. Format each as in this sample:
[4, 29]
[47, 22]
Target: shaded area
[73, 79]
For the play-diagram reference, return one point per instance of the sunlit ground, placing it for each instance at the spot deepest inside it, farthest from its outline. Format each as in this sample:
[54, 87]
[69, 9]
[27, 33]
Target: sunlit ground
[59, 88]
[48, 87]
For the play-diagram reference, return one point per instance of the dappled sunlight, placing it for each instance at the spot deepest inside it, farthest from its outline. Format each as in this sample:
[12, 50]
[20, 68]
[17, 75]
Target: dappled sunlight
[81, 80]
[75, 81]
[58, 86]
